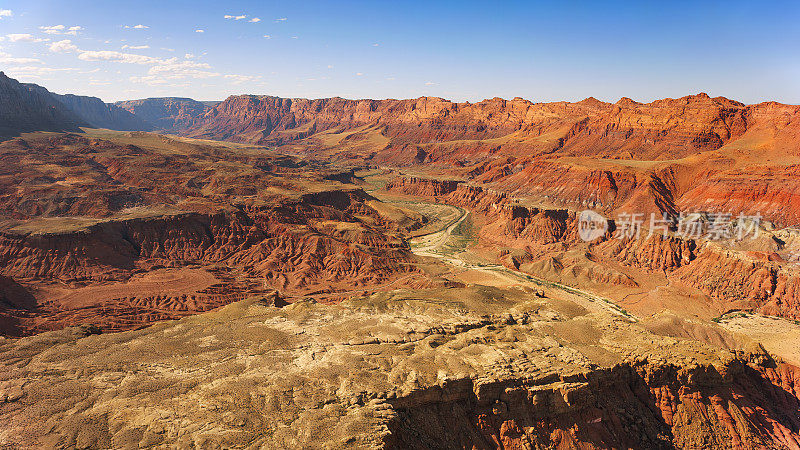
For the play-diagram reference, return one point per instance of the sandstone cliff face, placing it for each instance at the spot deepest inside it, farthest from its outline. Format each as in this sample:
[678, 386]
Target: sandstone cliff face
[639, 405]
[262, 119]
[747, 281]
[654, 253]
[674, 127]
[663, 129]
[24, 109]
[771, 192]
[168, 113]
[422, 187]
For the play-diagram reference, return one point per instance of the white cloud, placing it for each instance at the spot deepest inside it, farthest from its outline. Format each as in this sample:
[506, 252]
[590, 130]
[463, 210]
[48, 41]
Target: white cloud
[8, 59]
[330, 66]
[5, 13]
[358, 74]
[429, 83]
[255, 20]
[135, 47]
[108, 55]
[149, 80]
[282, 19]
[189, 56]
[375, 44]
[54, 29]
[266, 36]
[65, 46]
[24, 37]
[199, 30]
[239, 79]
[136, 27]
[171, 71]
[228, 16]
[61, 29]
[295, 37]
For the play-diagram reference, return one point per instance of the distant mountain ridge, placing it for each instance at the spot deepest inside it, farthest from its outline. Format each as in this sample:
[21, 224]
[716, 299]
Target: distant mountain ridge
[167, 113]
[96, 113]
[24, 108]
[662, 129]
[103, 115]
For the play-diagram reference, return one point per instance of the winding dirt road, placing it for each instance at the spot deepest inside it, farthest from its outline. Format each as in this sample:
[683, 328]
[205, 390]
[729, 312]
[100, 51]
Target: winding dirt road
[433, 245]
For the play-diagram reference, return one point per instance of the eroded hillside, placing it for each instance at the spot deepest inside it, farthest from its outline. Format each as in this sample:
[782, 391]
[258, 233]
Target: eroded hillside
[123, 232]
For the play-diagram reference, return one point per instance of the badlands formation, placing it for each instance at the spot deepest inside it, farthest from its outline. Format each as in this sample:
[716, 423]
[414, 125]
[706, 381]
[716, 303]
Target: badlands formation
[290, 273]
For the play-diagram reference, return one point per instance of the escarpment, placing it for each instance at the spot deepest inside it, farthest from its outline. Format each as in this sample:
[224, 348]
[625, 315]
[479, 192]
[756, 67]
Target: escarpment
[644, 129]
[168, 113]
[25, 108]
[636, 405]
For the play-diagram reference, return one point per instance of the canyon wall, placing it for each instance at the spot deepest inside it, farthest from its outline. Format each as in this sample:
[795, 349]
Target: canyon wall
[638, 405]
[663, 129]
[535, 239]
[102, 115]
[23, 109]
[167, 113]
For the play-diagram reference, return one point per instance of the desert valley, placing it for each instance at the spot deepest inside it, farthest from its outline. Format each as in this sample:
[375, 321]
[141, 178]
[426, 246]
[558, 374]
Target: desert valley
[418, 273]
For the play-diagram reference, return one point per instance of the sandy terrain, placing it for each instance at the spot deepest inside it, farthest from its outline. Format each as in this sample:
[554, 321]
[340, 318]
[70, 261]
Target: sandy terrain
[159, 282]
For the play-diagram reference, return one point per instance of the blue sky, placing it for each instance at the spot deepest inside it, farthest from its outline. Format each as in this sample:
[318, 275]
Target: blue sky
[541, 51]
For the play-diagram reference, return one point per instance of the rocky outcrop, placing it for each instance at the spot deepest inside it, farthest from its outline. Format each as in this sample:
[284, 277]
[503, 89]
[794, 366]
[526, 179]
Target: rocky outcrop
[422, 187]
[534, 241]
[654, 253]
[292, 254]
[771, 192]
[639, 405]
[283, 239]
